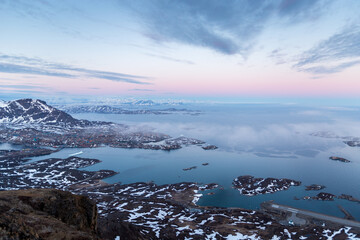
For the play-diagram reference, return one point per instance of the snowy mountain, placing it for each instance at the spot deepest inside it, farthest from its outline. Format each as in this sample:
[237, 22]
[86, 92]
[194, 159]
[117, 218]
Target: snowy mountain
[103, 109]
[34, 111]
[2, 103]
[106, 109]
[144, 103]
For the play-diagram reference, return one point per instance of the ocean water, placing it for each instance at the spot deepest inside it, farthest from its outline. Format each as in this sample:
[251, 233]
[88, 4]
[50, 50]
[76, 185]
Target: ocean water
[263, 140]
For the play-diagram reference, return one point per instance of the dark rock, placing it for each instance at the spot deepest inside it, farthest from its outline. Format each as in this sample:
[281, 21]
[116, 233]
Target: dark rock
[190, 168]
[324, 196]
[314, 187]
[46, 214]
[340, 159]
[210, 147]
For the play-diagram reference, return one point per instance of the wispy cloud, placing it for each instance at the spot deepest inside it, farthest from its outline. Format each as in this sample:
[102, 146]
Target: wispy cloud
[228, 27]
[17, 91]
[15, 68]
[51, 12]
[36, 66]
[171, 59]
[22, 86]
[330, 69]
[335, 54]
[278, 56]
[142, 90]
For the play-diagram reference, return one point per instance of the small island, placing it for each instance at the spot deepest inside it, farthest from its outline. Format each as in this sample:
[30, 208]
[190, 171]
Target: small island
[349, 198]
[210, 147]
[314, 187]
[189, 168]
[250, 186]
[340, 159]
[324, 196]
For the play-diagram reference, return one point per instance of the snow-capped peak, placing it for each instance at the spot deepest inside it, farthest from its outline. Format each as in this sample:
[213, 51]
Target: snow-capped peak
[34, 111]
[3, 103]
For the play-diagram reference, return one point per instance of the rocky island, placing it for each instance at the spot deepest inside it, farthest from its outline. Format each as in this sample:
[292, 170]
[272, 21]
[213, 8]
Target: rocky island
[314, 187]
[210, 147]
[324, 196]
[340, 159]
[349, 198]
[189, 168]
[330, 197]
[250, 186]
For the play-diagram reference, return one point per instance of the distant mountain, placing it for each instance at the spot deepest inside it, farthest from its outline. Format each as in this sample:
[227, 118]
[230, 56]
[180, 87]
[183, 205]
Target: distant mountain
[106, 109]
[144, 103]
[34, 111]
[103, 109]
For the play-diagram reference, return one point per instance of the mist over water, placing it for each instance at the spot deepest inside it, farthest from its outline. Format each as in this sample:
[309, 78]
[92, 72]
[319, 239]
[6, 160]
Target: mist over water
[263, 128]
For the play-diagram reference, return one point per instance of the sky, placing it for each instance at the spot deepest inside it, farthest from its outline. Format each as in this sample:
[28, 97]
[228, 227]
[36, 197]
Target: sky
[202, 48]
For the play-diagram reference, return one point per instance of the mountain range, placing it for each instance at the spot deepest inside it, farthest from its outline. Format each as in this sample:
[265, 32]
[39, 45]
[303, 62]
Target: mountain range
[35, 111]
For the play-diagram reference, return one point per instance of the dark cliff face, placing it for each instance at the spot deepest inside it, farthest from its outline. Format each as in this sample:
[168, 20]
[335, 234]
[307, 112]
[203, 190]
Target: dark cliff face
[46, 214]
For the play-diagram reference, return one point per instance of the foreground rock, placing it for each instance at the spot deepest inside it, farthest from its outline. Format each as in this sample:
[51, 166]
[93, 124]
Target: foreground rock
[250, 186]
[46, 214]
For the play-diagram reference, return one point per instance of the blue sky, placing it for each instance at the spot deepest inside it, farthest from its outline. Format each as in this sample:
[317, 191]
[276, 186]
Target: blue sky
[244, 49]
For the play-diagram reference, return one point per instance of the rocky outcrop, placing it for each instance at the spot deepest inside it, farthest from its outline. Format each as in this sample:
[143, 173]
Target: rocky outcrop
[46, 214]
[250, 186]
[324, 196]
